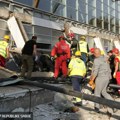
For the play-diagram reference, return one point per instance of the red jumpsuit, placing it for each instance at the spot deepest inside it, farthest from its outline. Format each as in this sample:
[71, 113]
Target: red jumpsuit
[118, 73]
[62, 51]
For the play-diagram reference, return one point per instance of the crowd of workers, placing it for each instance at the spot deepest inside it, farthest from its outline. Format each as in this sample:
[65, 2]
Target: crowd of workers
[72, 58]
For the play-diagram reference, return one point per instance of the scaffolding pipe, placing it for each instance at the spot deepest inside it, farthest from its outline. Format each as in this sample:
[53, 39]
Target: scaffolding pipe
[110, 103]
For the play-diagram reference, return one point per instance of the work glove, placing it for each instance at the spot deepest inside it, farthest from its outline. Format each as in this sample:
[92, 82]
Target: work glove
[36, 58]
[92, 84]
[114, 75]
[52, 58]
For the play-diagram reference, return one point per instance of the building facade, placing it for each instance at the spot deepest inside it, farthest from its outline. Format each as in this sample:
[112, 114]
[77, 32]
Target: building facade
[98, 17]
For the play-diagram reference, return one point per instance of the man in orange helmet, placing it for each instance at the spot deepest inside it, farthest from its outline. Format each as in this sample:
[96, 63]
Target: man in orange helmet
[117, 66]
[4, 50]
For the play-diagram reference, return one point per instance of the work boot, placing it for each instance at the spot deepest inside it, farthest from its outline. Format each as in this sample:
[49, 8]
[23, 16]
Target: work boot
[72, 109]
[76, 101]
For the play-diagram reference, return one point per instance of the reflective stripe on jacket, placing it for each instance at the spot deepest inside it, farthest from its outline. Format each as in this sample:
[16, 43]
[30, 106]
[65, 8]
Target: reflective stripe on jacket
[77, 67]
[3, 46]
[83, 46]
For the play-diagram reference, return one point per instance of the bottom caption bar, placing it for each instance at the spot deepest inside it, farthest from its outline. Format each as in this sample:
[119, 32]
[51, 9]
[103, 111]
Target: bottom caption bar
[17, 116]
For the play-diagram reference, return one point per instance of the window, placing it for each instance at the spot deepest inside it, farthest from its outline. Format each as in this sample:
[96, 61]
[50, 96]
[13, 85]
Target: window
[71, 13]
[82, 7]
[43, 34]
[105, 8]
[106, 24]
[99, 23]
[71, 3]
[59, 1]
[42, 30]
[92, 21]
[99, 4]
[92, 2]
[44, 39]
[91, 15]
[112, 27]
[98, 14]
[44, 5]
[91, 11]
[43, 46]
[56, 33]
[105, 2]
[82, 17]
[27, 2]
[117, 29]
[112, 20]
[58, 8]
[28, 29]
[112, 11]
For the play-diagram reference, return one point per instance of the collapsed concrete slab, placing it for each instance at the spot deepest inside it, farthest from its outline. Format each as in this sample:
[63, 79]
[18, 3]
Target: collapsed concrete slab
[5, 73]
[23, 96]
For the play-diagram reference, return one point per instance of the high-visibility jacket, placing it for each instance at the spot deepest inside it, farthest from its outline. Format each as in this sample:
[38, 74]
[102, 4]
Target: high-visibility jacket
[3, 47]
[77, 67]
[83, 46]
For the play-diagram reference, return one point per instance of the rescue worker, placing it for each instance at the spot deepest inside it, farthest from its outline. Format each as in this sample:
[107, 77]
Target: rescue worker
[4, 50]
[61, 54]
[84, 49]
[29, 50]
[101, 74]
[111, 59]
[91, 58]
[116, 73]
[73, 43]
[76, 71]
[45, 62]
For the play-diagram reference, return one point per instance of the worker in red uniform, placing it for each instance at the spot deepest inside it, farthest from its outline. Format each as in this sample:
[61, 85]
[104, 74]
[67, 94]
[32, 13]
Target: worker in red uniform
[117, 66]
[61, 54]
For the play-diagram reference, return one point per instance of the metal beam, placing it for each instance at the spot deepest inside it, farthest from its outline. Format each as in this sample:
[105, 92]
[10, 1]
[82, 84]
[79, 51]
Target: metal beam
[107, 102]
[114, 86]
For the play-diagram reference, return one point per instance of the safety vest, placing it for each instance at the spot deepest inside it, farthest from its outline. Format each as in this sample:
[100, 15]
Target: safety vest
[77, 67]
[3, 46]
[83, 46]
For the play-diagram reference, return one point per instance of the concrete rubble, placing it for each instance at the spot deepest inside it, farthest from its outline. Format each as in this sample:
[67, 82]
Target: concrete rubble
[86, 112]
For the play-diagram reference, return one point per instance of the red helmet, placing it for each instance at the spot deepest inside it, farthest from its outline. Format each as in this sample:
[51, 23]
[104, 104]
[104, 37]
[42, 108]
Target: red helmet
[61, 37]
[115, 50]
[92, 50]
[71, 35]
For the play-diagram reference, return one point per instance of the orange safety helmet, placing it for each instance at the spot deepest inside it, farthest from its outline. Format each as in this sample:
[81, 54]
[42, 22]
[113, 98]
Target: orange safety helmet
[115, 50]
[92, 50]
